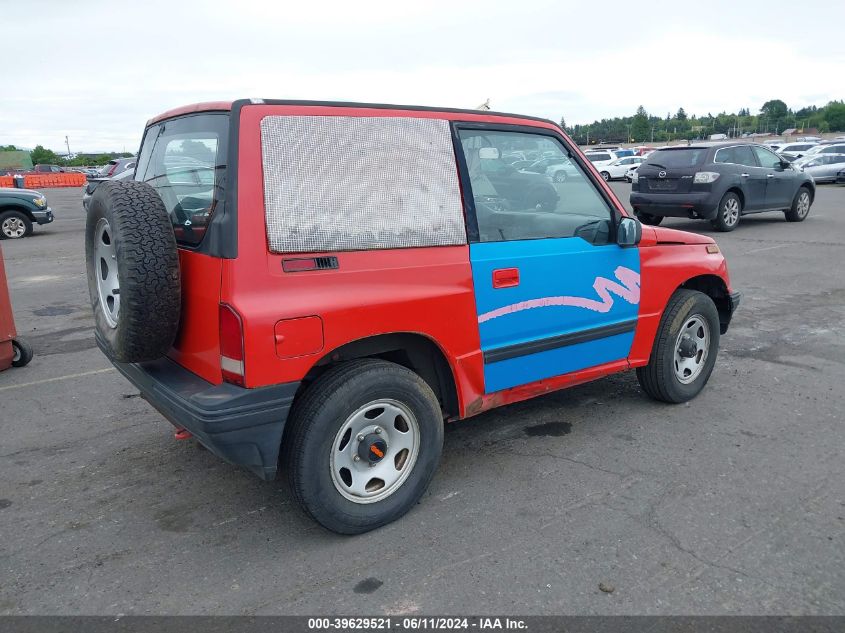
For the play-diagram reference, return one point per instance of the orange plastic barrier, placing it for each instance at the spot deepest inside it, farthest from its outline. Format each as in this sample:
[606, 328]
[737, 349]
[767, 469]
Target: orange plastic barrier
[7, 181]
[46, 181]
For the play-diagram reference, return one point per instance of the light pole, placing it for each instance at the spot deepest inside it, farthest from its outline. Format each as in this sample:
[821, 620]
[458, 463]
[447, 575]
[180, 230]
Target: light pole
[67, 142]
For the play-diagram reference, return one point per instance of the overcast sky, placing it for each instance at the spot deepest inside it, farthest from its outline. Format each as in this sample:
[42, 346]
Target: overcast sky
[97, 70]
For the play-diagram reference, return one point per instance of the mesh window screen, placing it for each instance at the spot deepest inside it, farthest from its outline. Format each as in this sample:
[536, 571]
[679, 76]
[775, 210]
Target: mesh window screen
[354, 183]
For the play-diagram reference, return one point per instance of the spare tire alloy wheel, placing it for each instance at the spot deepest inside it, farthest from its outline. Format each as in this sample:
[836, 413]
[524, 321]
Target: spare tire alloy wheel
[108, 281]
[133, 271]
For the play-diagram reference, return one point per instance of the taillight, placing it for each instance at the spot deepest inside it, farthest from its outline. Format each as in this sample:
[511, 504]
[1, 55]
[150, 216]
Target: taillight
[231, 345]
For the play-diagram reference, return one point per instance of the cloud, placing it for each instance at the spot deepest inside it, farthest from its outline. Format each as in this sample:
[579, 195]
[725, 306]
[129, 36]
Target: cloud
[126, 63]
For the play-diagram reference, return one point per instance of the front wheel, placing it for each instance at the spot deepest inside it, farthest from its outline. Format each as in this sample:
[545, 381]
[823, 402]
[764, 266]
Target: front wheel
[684, 350]
[648, 218]
[727, 215]
[800, 206]
[14, 225]
[560, 176]
[605, 175]
[363, 444]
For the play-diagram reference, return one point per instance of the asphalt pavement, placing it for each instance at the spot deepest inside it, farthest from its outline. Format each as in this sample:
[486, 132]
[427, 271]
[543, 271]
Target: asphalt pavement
[733, 503]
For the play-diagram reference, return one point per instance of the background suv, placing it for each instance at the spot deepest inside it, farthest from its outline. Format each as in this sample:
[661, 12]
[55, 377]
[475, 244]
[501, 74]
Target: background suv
[719, 183]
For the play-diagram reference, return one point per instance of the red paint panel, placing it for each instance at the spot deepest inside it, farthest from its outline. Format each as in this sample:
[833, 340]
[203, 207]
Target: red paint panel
[209, 106]
[197, 346]
[299, 337]
[663, 269]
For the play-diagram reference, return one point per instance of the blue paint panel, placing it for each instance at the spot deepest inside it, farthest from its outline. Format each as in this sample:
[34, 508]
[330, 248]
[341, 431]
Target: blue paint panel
[555, 362]
[553, 268]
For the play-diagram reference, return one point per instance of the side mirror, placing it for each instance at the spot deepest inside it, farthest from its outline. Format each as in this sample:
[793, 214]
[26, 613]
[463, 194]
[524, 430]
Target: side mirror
[785, 164]
[629, 232]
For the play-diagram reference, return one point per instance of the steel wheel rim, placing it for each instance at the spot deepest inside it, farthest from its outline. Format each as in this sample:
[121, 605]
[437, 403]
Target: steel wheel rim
[730, 212]
[398, 427]
[105, 269]
[694, 339]
[13, 228]
[16, 353]
[803, 204]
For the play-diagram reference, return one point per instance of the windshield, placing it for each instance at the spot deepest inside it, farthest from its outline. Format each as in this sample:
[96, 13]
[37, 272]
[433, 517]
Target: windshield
[678, 158]
[184, 159]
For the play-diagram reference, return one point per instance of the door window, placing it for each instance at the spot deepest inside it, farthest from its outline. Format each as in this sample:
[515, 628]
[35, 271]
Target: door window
[767, 159]
[737, 155]
[513, 204]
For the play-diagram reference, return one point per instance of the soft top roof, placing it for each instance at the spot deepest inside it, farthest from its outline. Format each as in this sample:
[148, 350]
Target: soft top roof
[217, 106]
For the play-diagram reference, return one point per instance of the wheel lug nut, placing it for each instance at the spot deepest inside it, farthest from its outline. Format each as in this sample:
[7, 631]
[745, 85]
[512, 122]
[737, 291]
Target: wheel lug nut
[378, 430]
[356, 458]
[360, 437]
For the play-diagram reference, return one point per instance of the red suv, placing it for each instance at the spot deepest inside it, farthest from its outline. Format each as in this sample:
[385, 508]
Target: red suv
[322, 286]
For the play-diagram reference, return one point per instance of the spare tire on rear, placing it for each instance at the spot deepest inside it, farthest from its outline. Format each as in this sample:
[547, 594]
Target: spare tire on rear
[133, 271]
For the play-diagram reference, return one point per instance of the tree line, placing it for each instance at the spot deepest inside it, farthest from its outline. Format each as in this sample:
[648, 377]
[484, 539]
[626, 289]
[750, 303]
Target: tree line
[774, 117]
[42, 156]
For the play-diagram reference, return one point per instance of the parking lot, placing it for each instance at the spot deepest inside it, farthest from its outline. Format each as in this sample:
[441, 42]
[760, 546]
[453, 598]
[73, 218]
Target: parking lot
[731, 504]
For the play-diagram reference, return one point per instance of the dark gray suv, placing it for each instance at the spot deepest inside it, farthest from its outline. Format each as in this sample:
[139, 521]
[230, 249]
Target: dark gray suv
[719, 183]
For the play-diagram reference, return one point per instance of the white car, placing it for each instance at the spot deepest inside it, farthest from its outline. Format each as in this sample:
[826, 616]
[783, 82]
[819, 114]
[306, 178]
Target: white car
[822, 167]
[792, 151]
[600, 159]
[833, 148]
[617, 168]
[631, 174]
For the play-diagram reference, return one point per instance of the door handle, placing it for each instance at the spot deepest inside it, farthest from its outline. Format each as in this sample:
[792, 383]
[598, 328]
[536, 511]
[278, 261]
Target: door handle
[745, 175]
[505, 277]
[770, 175]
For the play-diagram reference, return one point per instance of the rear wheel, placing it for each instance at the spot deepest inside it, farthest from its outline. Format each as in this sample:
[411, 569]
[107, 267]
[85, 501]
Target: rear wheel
[800, 206]
[605, 175]
[684, 350]
[728, 213]
[648, 218]
[363, 444]
[14, 225]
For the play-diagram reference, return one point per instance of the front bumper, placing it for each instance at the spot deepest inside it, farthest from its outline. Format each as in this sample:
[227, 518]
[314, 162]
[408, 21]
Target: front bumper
[43, 216]
[698, 204]
[725, 317]
[242, 426]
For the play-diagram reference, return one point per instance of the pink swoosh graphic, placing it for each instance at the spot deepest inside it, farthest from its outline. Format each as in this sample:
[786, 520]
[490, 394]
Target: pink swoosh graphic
[628, 289]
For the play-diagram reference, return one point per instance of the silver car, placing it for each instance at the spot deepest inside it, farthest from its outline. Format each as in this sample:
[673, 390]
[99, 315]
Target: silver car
[822, 167]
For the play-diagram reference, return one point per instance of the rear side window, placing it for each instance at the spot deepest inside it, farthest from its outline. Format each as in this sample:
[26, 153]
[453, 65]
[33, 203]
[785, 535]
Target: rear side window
[677, 158]
[595, 158]
[738, 155]
[356, 183]
[184, 160]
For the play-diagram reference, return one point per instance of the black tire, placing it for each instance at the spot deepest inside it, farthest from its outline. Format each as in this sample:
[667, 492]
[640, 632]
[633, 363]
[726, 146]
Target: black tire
[798, 212]
[147, 270]
[15, 218]
[648, 218]
[606, 176]
[560, 176]
[659, 378]
[725, 220]
[22, 353]
[320, 414]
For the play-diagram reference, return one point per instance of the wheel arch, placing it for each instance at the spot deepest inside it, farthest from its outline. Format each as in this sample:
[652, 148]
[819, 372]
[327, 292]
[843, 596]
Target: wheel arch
[715, 288]
[413, 350]
[20, 208]
[739, 192]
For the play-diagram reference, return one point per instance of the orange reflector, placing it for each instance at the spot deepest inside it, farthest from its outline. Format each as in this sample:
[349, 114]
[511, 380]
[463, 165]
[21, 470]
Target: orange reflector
[712, 249]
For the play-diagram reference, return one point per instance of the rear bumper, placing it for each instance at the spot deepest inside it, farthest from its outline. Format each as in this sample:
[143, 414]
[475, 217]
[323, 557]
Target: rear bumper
[701, 204]
[242, 426]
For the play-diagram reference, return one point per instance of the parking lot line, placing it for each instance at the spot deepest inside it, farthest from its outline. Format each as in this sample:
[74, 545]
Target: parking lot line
[57, 378]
